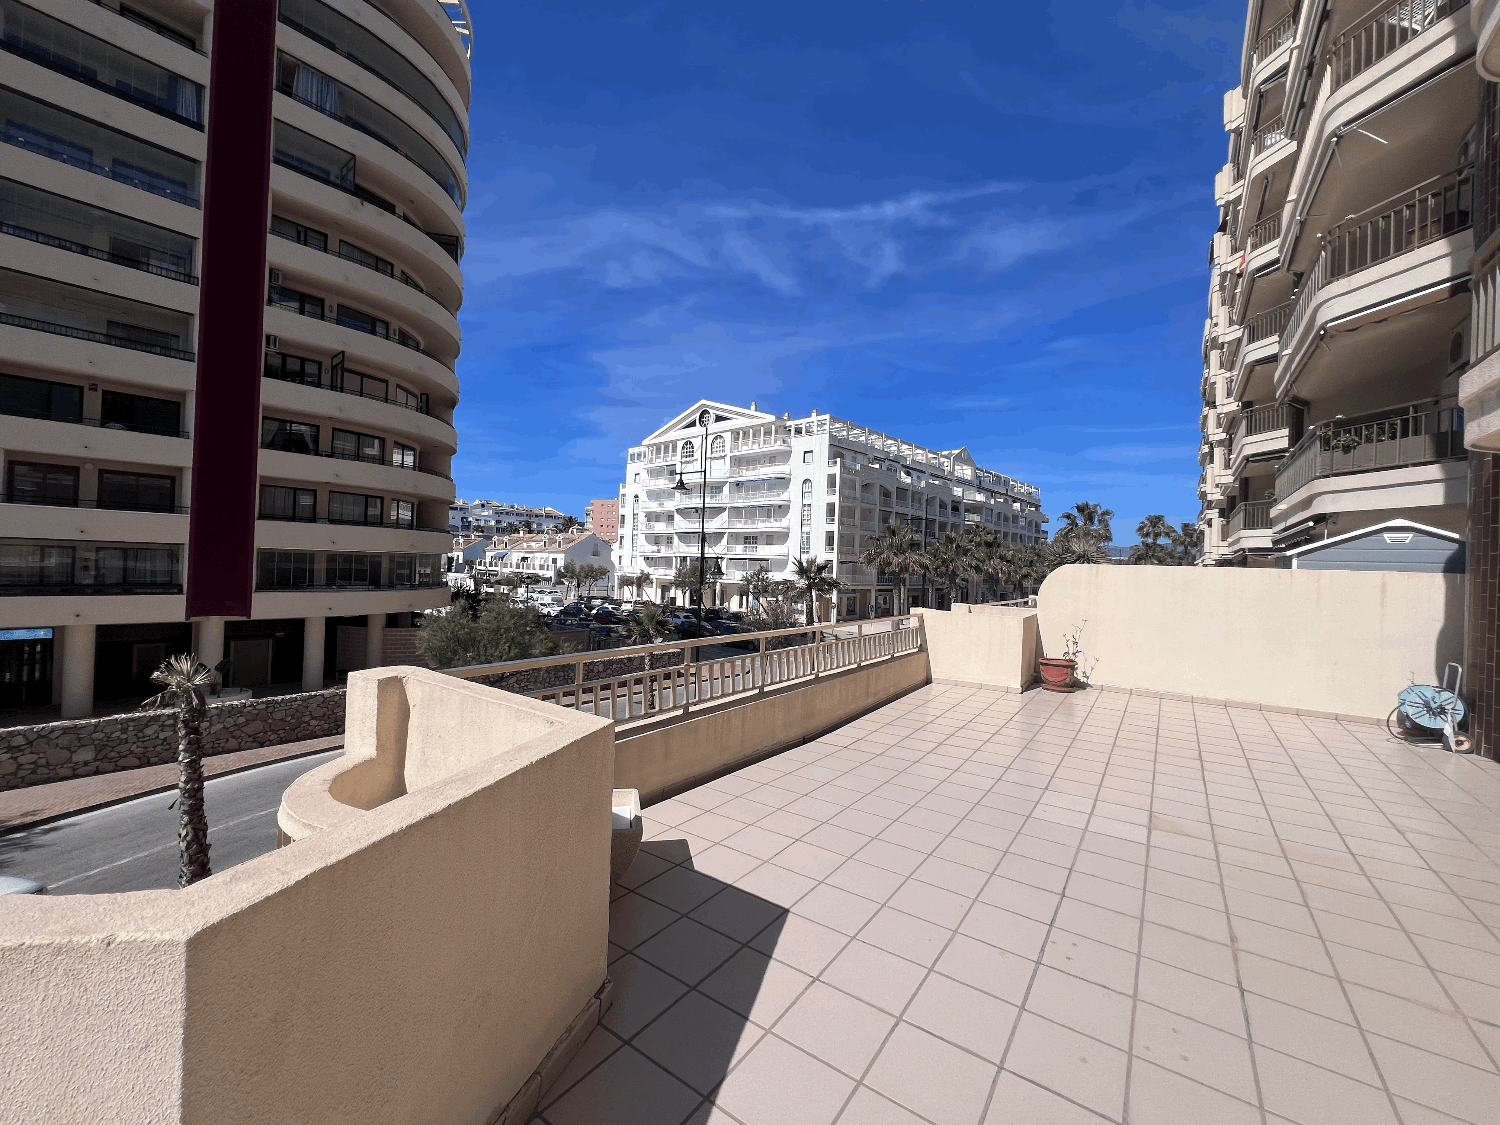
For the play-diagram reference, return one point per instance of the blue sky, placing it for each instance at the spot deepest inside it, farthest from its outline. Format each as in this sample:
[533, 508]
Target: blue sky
[962, 223]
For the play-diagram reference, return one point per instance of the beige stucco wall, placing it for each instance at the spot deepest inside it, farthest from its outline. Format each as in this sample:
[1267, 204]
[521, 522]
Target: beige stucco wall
[414, 963]
[1333, 641]
[988, 645]
[669, 758]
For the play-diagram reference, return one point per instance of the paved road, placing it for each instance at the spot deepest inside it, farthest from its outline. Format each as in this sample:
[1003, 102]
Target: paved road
[133, 846]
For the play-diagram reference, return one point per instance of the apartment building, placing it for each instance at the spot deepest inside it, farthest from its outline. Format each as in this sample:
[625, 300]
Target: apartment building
[100, 221]
[777, 488]
[489, 517]
[545, 555]
[602, 517]
[1339, 293]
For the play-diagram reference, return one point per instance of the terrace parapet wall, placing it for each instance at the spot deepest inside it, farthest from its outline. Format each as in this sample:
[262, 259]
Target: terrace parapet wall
[35, 755]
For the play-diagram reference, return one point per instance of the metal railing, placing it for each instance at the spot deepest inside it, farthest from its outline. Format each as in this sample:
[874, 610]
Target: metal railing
[1432, 210]
[1266, 231]
[93, 337]
[11, 135]
[97, 423]
[282, 377]
[1380, 31]
[703, 675]
[405, 279]
[1267, 419]
[59, 502]
[1252, 515]
[363, 459]
[1406, 436]
[94, 252]
[1267, 324]
[345, 322]
[1271, 133]
[1272, 41]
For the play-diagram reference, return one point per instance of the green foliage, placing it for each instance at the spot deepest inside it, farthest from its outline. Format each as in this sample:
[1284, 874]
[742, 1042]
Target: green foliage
[1163, 545]
[811, 578]
[500, 632]
[570, 523]
[897, 552]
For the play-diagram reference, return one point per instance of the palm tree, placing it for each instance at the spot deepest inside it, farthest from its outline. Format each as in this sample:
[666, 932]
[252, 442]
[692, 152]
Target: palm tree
[1151, 550]
[569, 523]
[1186, 543]
[184, 680]
[948, 560]
[648, 627]
[811, 578]
[758, 585]
[1032, 564]
[897, 552]
[1085, 536]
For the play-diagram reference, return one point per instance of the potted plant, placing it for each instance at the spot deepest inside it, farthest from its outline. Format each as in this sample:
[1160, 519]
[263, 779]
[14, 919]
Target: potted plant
[1059, 673]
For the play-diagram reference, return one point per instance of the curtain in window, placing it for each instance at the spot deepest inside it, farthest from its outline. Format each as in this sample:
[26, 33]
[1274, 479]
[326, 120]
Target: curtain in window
[317, 89]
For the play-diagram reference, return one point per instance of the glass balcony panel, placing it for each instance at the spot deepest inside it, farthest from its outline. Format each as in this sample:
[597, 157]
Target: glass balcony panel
[305, 153]
[59, 135]
[38, 398]
[64, 48]
[368, 51]
[43, 305]
[55, 220]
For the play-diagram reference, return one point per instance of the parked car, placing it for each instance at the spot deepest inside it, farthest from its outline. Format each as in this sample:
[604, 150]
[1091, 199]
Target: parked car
[608, 615]
[574, 609]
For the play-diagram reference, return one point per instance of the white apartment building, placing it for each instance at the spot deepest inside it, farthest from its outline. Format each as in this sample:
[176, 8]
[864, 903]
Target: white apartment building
[103, 143]
[546, 554]
[489, 517]
[778, 488]
[1339, 294]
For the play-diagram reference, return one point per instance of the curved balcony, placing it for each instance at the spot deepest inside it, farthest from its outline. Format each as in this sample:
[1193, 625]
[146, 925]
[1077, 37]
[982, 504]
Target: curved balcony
[365, 476]
[1382, 31]
[1394, 439]
[1264, 433]
[319, 337]
[358, 410]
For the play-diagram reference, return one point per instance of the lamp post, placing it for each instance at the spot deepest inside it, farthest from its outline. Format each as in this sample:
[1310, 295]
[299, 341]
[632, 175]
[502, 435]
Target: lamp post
[705, 417]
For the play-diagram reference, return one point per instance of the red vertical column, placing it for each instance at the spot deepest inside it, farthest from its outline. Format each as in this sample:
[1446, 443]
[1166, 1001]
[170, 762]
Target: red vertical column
[1482, 598]
[231, 310]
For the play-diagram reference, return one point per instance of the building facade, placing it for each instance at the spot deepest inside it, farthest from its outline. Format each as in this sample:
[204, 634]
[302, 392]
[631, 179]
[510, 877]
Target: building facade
[490, 517]
[778, 488]
[602, 517]
[545, 555]
[1339, 301]
[100, 219]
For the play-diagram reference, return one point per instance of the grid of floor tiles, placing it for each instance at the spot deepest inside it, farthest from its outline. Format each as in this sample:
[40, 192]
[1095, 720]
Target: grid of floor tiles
[977, 907]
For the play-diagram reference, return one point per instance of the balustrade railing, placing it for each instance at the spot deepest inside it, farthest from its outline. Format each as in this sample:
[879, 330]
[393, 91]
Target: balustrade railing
[1266, 231]
[1251, 515]
[1271, 41]
[1415, 435]
[1380, 31]
[1269, 134]
[1267, 324]
[1430, 211]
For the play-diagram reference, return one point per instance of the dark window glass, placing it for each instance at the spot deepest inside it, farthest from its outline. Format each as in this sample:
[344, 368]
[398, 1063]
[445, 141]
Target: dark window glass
[358, 447]
[43, 484]
[294, 369]
[26, 564]
[138, 412]
[354, 507]
[363, 322]
[157, 26]
[357, 382]
[135, 566]
[140, 334]
[294, 301]
[305, 153]
[347, 569]
[299, 233]
[37, 398]
[283, 570]
[402, 512]
[403, 456]
[370, 261]
[278, 502]
[141, 492]
[290, 437]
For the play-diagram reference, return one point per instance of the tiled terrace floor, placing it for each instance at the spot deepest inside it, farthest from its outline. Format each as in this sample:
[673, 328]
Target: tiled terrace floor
[977, 907]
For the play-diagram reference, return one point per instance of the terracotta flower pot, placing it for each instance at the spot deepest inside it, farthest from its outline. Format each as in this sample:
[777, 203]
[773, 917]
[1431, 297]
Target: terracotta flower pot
[1057, 674]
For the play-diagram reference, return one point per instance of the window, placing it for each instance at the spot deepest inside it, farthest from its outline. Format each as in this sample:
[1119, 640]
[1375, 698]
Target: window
[56, 485]
[299, 233]
[358, 383]
[25, 564]
[407, 340]
[120, 411]
[402, 513]
[352, 569]
[403, 570]
[687, 451]
[828, 510]
[410, 399]
[137, 492]
[806, 542]
[828, 541]
[403, 456]
[295, 301]
[135, 566]
[806, 489]
[305, 153]
[37, 398]
[353, 507]
[352, 253]
[278, 502]
[353, 318]
[358, 447]
[294, 369]
[807, 456]
[288, 436]
[285, 570]
[717, 448]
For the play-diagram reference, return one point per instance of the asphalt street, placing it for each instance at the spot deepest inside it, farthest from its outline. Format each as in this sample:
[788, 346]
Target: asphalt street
[133, 846]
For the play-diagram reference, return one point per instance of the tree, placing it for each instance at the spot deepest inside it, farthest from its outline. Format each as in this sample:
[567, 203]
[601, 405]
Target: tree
[811, 578]
[636, 582]
[591, 574]
[500, 632]
[570, 523]
[686, 580]
[948, 560]
[758, 585]
[1187, 542]
[184, 680]
[527, 527]
[1085, 535]
[570, 574]
[1151, 551]
[897, 552]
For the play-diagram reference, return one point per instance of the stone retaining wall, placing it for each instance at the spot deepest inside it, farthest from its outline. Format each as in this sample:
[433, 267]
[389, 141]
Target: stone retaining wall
[47, 752]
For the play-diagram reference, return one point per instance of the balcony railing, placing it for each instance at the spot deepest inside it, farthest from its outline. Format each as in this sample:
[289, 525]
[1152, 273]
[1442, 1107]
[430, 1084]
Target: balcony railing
[337, 456]
[404, 278]
[1266, 231]
[1379, 32]
[346, 322]
[1269, 134]
[1273, 40]
[1267, 324]
[93, 337]
[1252, 515]
[283, 376]
[1266, 420]
[94, 252]
[1426, 213]
[1413, 435]
[62, 502]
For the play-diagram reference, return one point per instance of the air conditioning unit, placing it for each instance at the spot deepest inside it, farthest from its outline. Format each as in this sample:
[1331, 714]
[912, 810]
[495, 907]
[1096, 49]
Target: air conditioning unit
[273, 343]
[275, 277]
